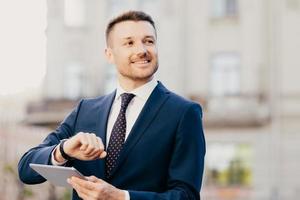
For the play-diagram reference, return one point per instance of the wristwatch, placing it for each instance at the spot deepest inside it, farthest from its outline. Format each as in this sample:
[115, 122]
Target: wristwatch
[63, 153]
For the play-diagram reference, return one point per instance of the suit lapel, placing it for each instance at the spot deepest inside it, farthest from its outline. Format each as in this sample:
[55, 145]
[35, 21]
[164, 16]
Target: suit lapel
[149, 111]
[103, 114]
[103, 111]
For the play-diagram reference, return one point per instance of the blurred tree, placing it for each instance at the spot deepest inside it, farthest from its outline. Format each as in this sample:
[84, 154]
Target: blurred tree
[66, 195]
[23, 191]
[52, 194]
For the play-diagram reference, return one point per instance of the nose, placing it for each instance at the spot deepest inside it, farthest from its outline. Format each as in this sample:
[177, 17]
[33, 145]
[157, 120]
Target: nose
[140, 49]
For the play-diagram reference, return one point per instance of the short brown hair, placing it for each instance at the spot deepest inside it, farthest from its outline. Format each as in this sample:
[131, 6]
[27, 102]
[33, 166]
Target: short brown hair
[128, 16]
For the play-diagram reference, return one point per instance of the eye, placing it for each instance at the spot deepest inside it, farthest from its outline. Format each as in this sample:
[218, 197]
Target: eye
[149, 41]
[129, 43]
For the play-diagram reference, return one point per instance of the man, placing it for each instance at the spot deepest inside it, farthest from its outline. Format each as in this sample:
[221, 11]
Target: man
[139, 142]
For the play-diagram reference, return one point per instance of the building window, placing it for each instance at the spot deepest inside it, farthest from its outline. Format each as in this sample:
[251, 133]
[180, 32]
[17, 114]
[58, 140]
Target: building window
[225, 74]
[293, 4]
[229, 164]
[75, 13]
[224, 8]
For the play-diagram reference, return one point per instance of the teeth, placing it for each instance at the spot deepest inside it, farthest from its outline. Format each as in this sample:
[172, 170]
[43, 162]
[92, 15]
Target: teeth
[141, 62]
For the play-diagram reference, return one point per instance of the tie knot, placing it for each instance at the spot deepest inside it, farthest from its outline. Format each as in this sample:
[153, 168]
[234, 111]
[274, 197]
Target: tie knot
[126, 98]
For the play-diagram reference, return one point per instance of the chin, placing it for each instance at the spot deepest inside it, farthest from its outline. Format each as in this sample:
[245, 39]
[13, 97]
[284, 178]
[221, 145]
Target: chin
[146, 75]
[146, 72]
[140, 74]
[141, 78]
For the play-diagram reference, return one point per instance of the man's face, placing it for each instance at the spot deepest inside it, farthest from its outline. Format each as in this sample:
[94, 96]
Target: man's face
[132, 48]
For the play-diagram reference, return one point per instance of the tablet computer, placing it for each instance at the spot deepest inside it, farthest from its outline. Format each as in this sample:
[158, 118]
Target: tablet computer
[57, 175]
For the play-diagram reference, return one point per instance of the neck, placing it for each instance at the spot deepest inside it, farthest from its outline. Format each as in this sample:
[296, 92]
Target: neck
[129, 84]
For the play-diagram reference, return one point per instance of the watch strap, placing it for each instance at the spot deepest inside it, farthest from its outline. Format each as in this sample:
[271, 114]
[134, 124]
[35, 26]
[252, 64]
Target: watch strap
[63, 153]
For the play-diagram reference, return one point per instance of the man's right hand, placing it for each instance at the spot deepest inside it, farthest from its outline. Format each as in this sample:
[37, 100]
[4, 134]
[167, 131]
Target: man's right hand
[82, 146]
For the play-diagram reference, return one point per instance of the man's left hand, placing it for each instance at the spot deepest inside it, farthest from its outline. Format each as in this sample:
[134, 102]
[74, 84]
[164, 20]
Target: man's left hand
[95, 189]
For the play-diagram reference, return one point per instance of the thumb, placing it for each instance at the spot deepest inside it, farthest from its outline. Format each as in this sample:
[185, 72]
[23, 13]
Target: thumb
[93, 179]
[103, 154]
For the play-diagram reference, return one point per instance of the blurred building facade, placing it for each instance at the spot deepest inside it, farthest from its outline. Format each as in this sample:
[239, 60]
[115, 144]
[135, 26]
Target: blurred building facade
[237, 58]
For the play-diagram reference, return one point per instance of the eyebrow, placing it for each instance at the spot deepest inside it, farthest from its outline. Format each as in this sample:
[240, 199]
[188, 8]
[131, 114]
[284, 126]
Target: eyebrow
[146, 37]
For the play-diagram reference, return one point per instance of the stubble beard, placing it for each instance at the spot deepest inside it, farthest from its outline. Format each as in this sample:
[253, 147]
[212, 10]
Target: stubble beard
[142, 77]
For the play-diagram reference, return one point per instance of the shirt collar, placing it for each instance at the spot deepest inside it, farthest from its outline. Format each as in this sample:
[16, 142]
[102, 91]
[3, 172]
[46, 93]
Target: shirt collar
[143, 92]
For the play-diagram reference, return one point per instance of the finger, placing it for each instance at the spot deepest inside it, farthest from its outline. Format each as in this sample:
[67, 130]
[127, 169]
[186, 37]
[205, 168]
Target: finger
[82, 192]
[82, 195]
[91, 149]
[99, 152]
[90, 146]
[97, 148]
[87, 185]
[100, 143]
[93, 179]
[84, 142]
[95, 141]
[103, 154]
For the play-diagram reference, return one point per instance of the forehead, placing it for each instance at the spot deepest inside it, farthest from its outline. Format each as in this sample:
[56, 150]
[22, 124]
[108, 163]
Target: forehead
[133, 29]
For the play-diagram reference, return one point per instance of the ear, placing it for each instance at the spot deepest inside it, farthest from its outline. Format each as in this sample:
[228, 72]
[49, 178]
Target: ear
[109, 55]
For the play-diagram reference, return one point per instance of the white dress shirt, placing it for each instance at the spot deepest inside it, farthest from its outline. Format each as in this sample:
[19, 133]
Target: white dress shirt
[133, 110]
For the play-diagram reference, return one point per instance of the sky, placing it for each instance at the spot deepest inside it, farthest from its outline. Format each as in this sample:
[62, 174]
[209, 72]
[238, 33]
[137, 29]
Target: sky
[22, 45]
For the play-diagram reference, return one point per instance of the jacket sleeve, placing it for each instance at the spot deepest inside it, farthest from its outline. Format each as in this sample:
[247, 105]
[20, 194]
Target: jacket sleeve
[187, 161]
[42, 153]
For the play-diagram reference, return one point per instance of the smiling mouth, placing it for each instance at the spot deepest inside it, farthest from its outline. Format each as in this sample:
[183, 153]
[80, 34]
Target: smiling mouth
[141, 62]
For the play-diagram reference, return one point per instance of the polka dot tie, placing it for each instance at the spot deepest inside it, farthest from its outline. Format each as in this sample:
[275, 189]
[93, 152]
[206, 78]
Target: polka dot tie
[117, 137]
